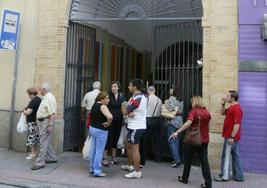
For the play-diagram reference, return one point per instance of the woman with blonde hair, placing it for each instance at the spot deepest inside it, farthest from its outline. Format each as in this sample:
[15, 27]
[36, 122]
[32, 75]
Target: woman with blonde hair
[197, 117]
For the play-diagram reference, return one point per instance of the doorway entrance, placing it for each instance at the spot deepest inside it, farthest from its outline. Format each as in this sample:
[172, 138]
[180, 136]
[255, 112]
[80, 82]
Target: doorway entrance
[79, 77]
[98, 50]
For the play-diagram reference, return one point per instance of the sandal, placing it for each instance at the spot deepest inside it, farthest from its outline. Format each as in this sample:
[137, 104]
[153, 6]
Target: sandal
[114, 161]
[180, 179]
[105, 163]
[101, 174]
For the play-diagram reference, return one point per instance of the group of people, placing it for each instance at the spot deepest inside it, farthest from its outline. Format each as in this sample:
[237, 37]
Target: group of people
[106, 117]
[40, 116]
[142, 116]
[107, 112]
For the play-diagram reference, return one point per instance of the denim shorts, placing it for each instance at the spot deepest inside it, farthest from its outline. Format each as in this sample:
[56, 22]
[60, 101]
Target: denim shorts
[134, 136]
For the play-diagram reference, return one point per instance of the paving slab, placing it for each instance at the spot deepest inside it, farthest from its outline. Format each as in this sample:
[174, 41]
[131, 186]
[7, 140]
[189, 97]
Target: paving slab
[71, 171]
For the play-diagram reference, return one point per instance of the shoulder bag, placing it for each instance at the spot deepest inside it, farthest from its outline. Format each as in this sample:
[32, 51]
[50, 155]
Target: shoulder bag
[192, 135]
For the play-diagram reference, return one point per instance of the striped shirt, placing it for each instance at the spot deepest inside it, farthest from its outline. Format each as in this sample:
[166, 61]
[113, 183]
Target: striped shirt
[137, 105]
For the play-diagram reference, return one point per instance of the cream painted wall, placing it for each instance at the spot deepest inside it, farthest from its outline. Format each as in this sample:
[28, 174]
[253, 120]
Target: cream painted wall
[220, 61]
[28, 9]
[220, 65]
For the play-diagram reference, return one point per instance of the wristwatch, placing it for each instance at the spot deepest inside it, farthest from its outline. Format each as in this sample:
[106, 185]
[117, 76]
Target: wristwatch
[232, 137]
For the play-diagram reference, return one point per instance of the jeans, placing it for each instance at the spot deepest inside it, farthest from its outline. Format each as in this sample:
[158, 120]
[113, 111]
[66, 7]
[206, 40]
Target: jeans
[203, 157]
[152, 135]
[99, 139]
[174, 144]
[237, 166]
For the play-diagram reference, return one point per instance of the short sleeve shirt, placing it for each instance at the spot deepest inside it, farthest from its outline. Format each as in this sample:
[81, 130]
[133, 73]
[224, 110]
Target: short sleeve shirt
[137, 105]
[153, 106]
[48, 106]
[233, 115]
[34, 105]
[200, 117]
[89, 99]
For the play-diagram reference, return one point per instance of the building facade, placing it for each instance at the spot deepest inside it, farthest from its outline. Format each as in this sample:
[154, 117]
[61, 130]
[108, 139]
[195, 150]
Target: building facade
[44, 36]
[253, 84]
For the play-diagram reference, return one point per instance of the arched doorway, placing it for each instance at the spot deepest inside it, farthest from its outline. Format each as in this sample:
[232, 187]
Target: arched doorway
[176, 60]
[89, 59]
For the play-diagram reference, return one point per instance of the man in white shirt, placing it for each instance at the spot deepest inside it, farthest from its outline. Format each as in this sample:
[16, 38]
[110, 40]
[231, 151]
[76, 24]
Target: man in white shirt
[89, 99]
[46, 115]
[136, 111]
[153, 130]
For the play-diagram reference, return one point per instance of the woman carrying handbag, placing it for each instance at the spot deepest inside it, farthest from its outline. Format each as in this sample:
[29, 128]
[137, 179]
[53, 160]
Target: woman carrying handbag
[196, 140]
[30, 113]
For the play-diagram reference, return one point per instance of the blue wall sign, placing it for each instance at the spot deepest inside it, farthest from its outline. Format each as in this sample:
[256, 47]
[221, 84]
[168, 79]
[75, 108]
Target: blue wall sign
[9, 31]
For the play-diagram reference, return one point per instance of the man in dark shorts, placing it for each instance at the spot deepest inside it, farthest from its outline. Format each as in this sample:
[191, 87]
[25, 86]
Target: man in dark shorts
[136, 111]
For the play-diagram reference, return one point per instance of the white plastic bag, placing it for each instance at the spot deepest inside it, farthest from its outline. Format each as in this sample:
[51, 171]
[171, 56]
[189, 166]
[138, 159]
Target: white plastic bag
[122, 138]
[87, 148]
[22, 124]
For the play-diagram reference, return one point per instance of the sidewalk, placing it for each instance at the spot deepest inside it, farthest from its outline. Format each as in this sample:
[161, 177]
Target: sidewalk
[71, 171]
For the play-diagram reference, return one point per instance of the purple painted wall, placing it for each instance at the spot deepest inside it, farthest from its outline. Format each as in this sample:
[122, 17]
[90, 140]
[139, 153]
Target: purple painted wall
[251, 46]
[253, 86]
[253, 98]
[250, 14]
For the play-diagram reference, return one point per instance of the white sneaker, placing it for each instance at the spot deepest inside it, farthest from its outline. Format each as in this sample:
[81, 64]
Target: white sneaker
[30, 156]
[127, 168]
[133, 175]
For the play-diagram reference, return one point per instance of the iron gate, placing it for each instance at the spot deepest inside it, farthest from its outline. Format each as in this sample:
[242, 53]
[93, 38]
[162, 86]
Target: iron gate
[177, 48]
[78, 78]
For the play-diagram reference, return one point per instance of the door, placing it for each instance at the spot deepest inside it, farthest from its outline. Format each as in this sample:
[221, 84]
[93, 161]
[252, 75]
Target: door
[78, 80]
[177, 49]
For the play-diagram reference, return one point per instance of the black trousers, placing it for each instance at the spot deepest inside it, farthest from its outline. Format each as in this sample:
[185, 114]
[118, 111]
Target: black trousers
[113, 134]
[203, 157]
[152, 135]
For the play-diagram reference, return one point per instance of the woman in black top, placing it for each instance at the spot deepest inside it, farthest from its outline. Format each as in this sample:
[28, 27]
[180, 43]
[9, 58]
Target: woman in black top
[114, 106]
[101, 118]
[30, 113]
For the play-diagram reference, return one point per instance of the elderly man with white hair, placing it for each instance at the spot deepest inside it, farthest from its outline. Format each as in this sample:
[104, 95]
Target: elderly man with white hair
[153, 129]
[46, 121]
[89, 98]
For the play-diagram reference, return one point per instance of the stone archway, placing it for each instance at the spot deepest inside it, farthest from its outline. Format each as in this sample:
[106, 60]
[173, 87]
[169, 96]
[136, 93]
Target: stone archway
[136, 10]
[129, 11]
[220, 51]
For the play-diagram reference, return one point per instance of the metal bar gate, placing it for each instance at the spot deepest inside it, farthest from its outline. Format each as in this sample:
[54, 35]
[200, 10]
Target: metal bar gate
[78, 78]
[177, 48]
